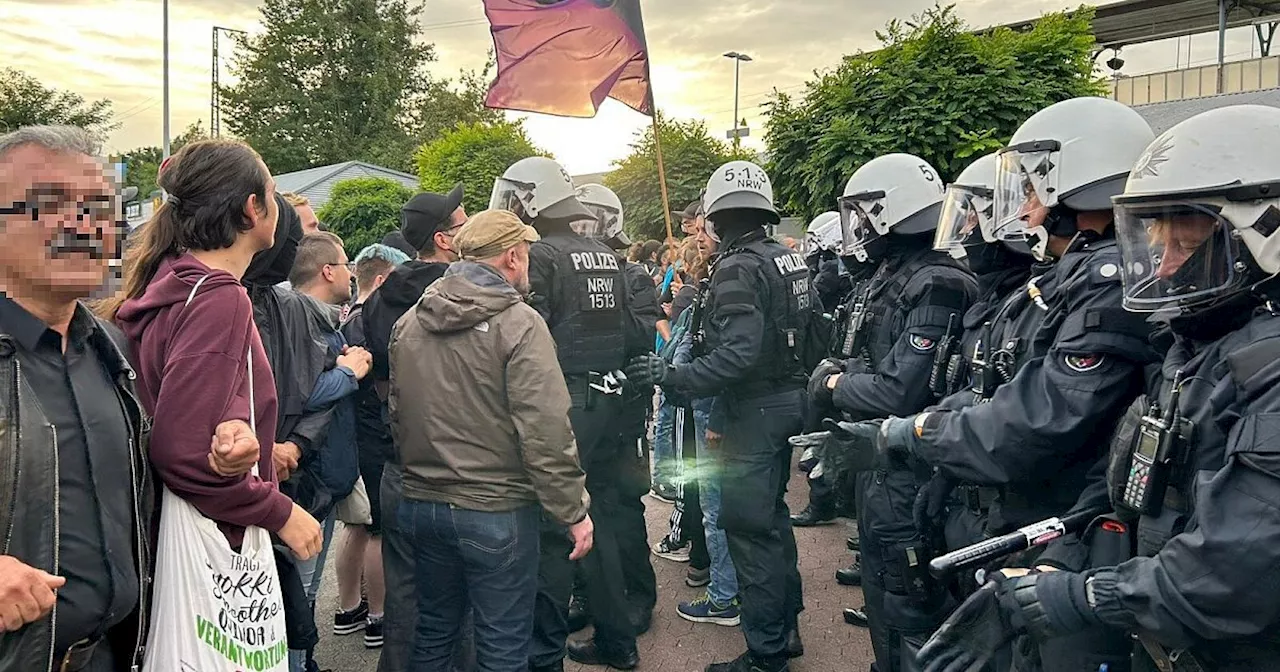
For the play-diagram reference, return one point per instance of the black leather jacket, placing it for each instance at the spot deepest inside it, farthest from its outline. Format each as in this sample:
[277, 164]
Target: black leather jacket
[29, 521]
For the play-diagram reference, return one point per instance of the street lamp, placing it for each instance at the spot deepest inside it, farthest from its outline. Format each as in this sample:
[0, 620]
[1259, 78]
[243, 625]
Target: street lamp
[738, 59]
[215, 94]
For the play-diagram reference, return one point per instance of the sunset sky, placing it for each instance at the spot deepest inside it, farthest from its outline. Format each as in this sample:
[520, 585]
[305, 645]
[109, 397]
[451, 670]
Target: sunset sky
[112, 49]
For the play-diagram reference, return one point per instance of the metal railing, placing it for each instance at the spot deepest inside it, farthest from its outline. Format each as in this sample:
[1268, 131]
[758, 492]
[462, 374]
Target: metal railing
[1197, 82]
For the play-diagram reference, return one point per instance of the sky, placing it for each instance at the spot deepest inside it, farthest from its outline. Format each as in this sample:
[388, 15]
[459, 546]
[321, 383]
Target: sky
[113, 49]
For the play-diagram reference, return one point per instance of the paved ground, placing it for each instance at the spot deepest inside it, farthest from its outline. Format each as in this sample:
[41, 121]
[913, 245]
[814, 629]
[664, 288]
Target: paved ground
[676, 645]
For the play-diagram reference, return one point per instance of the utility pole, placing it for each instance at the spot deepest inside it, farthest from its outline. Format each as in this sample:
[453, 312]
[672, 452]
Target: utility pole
[738, 131]
[215, 88]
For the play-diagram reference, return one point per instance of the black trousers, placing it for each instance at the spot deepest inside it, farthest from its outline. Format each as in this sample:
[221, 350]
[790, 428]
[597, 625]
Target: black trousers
[757, 465]
[633, 530]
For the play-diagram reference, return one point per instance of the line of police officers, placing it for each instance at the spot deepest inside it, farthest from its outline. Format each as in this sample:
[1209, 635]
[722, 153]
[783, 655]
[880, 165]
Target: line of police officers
[968, 399]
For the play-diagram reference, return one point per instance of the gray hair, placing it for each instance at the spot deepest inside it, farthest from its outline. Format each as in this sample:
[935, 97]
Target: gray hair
[59, 139]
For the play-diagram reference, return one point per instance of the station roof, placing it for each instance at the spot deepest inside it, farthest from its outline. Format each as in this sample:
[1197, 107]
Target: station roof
[1136, 21]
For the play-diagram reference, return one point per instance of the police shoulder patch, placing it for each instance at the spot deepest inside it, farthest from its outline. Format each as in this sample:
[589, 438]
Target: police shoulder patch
[922, 343]
[1084, 363]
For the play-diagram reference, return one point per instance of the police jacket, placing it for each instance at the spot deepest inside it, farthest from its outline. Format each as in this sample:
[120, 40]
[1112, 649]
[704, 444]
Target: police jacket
[1073, 357]
[994, 289]
[580, 290]
[1210, 580]
[909, 302]
[755, 317]
[831, 283]
[29, 501]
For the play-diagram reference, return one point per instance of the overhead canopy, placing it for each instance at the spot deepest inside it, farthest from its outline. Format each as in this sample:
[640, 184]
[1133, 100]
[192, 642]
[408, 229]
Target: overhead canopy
[1136, 21]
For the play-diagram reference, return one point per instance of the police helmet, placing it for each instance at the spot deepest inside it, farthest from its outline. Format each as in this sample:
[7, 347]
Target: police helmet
[893, 193]
[606, 221]
[738, 185]
[823, 233]
[966, 219]
[1072, 155]
[1199, 215]
[538, 190]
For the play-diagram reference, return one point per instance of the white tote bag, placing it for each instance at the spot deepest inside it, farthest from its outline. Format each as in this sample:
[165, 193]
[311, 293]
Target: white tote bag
[214, 610]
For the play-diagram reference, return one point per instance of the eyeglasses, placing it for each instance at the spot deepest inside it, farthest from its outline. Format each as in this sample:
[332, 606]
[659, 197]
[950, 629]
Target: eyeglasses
[100, 209]
[351, 265]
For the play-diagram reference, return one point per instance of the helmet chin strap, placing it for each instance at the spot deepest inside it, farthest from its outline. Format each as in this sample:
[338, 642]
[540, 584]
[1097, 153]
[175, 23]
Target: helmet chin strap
[1061, 222]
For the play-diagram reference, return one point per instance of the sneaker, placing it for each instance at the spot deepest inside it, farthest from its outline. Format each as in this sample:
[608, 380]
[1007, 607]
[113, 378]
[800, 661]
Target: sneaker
[347, 622]
[664, 493]
[665, 550]
[373, 634]
[705, 610]
[697, 578]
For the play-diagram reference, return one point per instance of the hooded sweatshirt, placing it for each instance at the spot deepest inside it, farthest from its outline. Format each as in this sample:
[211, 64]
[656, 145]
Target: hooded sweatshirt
[394, 298]
[478, 403]
[192, 375]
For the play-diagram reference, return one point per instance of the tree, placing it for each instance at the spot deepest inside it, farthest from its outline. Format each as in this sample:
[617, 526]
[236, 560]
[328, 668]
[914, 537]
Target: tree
[934, 90]
[474, 154]
[689, 155]
[24, 101]
[363, 210]
[340, 80]
[143, 164]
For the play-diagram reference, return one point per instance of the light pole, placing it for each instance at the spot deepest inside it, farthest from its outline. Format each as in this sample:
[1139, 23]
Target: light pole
[215, 94]
[738, 59]
[166, 79]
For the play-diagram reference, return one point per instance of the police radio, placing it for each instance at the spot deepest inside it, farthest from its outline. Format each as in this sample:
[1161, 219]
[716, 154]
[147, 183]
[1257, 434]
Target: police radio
[1154, 448]
[939, 377]
[853, 329]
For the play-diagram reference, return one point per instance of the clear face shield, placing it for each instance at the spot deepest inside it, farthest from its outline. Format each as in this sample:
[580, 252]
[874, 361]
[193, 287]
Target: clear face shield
[965, 219]
[512, 197]
[1175, 253]
[857, 228]
[1025, 181]
[604, 226]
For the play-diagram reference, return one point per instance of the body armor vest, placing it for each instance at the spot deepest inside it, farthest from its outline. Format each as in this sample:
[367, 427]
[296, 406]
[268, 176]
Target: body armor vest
[588, 305]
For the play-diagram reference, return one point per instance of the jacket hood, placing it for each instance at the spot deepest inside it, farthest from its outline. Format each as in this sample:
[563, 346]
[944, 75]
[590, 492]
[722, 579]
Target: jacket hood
[468, 294]
[172, 284]
[272, 266]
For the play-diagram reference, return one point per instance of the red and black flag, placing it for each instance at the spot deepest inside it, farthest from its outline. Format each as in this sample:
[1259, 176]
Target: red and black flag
[564, 57]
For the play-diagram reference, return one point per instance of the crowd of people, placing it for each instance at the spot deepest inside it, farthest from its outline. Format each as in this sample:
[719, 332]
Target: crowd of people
[1070, 350]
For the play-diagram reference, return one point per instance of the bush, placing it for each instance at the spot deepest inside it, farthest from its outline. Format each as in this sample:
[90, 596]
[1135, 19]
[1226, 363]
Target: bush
[474, 154]
[363, 210]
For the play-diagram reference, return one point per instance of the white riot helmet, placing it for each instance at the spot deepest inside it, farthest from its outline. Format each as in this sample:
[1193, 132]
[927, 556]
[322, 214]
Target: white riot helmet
[606, 220]
[537, 189]
[967, 212]
[894, 193]
[823, 234]
[738, 185]
[1072, 156]
[1198, 219]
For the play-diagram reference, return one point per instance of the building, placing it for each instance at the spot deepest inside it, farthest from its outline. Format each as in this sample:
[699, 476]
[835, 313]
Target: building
[317, 183]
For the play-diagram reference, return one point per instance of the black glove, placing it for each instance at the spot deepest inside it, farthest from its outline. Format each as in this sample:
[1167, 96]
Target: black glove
[1048, 604]
[930, 502]
[819, 395]
[971, 636]
[648, 369]
[852, 446]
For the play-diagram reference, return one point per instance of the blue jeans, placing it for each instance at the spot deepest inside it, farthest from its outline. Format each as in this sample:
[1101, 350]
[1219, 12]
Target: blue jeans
[666, 464]
[724, 581]
[312, 573]
[488, 560]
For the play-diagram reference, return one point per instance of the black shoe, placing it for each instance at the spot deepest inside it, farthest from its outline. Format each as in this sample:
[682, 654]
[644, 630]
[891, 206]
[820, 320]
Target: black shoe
[856, 618]
[578, 616]
[812, 517]
[853, 544]
[373, 633]
[749, 663]
[795, 647]
[557, 666]
[588, 654]
[642, 620]
[348, 622]
[851, 575]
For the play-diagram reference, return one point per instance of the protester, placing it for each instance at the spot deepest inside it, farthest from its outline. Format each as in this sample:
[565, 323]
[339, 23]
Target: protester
[302, 205]
[481, 417]
[396, 240]
[360, 555]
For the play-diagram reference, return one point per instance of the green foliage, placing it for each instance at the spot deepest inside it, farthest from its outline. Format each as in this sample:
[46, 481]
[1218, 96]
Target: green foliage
[689, 154]
[340, 80]
[934, 90]
[24, 101]
[363, 210]
[142, 164]
[474, 154]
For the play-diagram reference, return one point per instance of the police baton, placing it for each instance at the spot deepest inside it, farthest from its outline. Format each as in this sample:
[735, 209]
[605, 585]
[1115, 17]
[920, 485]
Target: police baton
[1035, 534]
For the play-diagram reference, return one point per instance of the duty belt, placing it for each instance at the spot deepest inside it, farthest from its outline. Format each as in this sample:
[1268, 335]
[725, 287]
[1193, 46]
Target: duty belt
[1178, 660]
[586, 388]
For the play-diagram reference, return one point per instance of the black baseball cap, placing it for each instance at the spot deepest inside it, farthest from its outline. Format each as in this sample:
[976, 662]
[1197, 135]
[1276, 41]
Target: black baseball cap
[691, 211]
[427, 213]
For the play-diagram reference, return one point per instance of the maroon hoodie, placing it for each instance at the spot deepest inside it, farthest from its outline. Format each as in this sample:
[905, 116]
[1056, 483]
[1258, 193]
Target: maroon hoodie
[192, 376]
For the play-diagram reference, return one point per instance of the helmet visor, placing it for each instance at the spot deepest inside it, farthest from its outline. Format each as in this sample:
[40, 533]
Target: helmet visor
[510, 196]
[965, 211]
[605, 224]
[856, 228]
[1025, 181]
[1175, 252]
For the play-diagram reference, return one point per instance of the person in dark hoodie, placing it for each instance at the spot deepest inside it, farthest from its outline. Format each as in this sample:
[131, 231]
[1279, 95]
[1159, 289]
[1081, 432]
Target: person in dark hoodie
[428, 223]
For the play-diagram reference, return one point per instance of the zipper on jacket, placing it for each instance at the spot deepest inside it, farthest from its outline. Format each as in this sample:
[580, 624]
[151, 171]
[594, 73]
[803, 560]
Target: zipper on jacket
[57, 537]
[134, 443]
[17, 459]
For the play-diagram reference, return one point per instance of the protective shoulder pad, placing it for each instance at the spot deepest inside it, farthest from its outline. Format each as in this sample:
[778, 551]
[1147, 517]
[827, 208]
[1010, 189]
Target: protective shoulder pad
[1248, 362]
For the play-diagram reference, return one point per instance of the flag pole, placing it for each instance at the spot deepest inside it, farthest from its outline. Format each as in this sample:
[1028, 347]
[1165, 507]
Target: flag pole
[662, 171]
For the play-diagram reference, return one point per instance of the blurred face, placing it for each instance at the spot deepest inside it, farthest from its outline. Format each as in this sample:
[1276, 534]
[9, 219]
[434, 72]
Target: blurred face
[60, 219]
[310, 223]
[1180, 236]
[337, 276]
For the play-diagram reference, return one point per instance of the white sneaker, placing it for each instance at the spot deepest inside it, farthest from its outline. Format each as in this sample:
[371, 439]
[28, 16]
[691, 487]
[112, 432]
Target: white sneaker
[663, 549]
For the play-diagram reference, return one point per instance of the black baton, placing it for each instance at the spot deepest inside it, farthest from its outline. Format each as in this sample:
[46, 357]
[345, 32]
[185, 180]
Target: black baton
[1035, 534]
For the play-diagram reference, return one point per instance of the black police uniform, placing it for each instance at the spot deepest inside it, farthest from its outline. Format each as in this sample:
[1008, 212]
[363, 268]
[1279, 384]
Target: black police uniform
[756, 313]
[909, 302]
[1206, 583]
[579, 289]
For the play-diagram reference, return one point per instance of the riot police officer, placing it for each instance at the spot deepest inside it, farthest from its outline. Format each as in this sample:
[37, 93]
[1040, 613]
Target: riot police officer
[1197, 229]
[579, 288]
[643, 313]
[899, 318]
[822, 243]
[1056, 368]
[751, 357]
